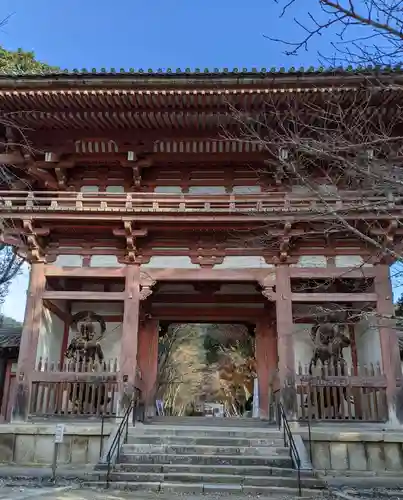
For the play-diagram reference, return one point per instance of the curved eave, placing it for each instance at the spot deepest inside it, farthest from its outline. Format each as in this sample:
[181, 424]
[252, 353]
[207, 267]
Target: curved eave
[143, 100]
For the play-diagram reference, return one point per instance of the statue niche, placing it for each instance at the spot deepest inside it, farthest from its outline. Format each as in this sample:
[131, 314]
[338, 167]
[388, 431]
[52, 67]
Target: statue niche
[85, 353]
[329, 340]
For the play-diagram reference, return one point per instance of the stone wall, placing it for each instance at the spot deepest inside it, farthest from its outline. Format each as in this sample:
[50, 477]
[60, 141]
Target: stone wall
[32, 444]
[358, 452]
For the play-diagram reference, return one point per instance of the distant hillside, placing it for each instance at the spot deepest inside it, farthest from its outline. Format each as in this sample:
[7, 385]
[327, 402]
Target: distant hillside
[7, 322]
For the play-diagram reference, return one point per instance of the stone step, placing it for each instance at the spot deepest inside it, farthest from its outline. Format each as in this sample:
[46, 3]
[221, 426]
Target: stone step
[240, 470]
[184, 431]
[159, 449]
[175, 477]
[138, 458]
[211, 421]
[203, 441]
[200, 488]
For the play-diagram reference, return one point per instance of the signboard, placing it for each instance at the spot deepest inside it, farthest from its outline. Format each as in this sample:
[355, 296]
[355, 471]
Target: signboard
[59, 433]
[256, 404]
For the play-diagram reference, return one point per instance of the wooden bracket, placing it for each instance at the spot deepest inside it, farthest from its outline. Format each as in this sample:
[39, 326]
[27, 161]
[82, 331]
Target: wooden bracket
[146, 284]
[130, 234]
[35, 251]
[285, 242]
[137, 165]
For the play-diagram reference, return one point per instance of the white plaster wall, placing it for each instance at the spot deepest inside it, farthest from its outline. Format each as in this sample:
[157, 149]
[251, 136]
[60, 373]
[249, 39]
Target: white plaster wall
[115, 189]
[69, 261]
[368, 342]
[89, 189]
[243, 262]
[168, 189]
[350, 261]
[303, 346]
[247, 189]
[170, 261]
[105, 261]
[50, 337]
[111, 340]
[207, 190]
[311, 261]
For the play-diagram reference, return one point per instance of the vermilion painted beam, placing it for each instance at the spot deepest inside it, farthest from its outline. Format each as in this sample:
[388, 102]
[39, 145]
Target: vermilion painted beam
[173, 274]
[333, 297]
[11, 159]
[168, 298]
[178, 218]
[85, 272]
[83, 296]
[332, 272]
[64, 316]
[203, 314]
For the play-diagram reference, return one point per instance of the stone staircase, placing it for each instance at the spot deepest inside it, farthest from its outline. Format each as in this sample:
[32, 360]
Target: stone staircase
[208, 455]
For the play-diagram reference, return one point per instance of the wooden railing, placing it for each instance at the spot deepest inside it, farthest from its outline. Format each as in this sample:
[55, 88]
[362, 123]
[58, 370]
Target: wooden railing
[40, 201]
[74, 389]
[341, 393]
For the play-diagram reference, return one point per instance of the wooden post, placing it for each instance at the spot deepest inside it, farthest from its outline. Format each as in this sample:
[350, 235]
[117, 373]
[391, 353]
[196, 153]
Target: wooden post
[266, 361]
[285, 330]
[147, 359]
[128, 353]
[387, 333]
[29, 340]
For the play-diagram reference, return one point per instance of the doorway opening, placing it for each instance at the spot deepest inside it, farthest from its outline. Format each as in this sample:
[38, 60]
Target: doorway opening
[206, 369]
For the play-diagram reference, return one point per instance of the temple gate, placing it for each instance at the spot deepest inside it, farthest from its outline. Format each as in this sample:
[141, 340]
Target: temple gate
[138, 213]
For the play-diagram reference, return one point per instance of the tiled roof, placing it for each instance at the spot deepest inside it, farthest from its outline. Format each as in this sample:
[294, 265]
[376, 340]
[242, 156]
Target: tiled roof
[10, 337]
[210, 72]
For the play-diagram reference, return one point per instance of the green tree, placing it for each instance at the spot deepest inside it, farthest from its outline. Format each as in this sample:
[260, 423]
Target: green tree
[20, 61]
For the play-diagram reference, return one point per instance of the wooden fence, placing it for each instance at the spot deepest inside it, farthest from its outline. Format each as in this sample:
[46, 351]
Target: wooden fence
[343, 393]
[74, 389]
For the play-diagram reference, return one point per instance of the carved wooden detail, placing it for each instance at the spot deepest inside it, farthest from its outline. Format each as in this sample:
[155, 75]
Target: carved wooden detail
[35, 251]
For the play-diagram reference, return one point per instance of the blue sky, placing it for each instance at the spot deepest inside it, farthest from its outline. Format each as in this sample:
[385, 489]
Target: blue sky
[150, 34]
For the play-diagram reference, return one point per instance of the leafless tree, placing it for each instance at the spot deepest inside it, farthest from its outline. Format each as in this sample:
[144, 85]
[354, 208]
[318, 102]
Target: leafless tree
[357, 31]
[181, 363]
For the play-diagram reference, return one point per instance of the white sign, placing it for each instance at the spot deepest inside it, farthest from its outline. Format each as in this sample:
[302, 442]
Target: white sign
[255, 408]
[59, 433]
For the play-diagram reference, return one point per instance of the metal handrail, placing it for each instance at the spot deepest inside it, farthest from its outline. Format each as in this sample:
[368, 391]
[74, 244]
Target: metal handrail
[122, 430]
[289, 442]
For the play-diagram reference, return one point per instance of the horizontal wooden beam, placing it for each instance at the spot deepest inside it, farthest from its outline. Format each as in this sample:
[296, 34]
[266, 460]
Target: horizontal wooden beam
[217, 298]
[332, 272]
[85, 272]
[11, 159]
[202, 219]
[83, 296]
[258, 275]
[333, 297]
[94, 377]
[63, 315]
[208, 314]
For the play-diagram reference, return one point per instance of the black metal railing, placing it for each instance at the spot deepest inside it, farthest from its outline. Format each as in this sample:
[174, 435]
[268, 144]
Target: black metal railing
[122, 434]
[289, 442]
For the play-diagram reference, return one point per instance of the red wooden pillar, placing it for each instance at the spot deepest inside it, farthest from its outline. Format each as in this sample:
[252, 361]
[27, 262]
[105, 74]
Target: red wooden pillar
[29, 340]
[128, 353]
[266, 361]
[285, 326]
[147, 359]
[387, 333]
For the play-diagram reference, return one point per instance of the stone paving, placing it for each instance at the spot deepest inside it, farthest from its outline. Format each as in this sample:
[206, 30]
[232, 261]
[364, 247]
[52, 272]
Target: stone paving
[77, 493]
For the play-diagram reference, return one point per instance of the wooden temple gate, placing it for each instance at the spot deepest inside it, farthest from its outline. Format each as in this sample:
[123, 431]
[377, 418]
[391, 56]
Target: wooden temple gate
[134, 186]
